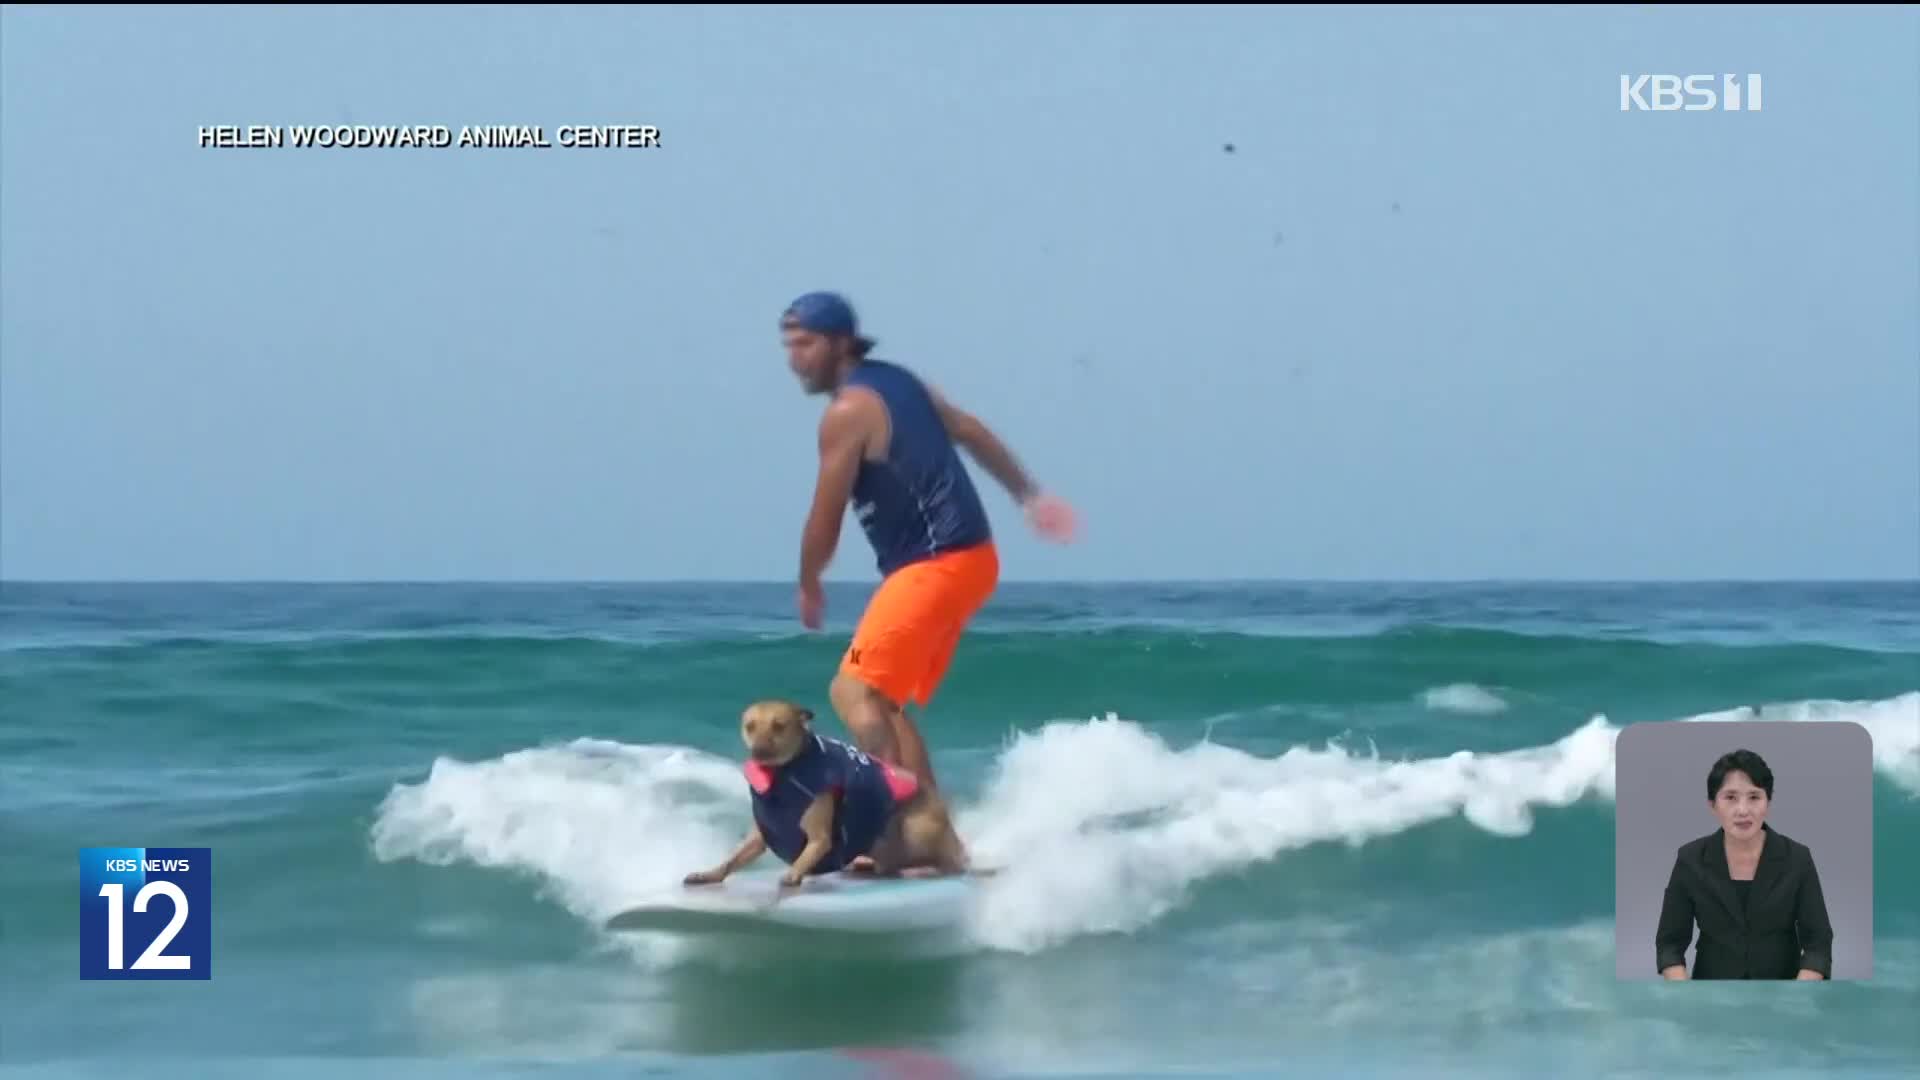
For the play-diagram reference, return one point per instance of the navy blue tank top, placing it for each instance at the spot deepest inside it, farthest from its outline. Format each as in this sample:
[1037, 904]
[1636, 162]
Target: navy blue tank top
[823, 764]
[918, 501]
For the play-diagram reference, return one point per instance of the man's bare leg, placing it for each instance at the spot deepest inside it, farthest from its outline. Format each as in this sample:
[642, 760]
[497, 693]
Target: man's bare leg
[880, 727]
[868, 717]
[885, 731]
[911, 747]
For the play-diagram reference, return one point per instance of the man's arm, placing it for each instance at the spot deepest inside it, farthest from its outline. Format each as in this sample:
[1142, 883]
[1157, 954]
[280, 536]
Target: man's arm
[969, 432]
[843, 440]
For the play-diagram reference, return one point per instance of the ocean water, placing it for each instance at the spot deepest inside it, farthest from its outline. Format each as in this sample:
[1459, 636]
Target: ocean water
[1317, 830]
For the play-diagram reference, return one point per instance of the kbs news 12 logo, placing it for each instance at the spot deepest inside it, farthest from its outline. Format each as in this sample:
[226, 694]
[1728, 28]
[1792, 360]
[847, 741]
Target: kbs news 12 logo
[146, 913]
[1689, 93]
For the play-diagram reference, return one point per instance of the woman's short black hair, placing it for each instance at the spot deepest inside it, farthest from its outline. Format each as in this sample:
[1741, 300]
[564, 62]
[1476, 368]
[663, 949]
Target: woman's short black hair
[1745, 761]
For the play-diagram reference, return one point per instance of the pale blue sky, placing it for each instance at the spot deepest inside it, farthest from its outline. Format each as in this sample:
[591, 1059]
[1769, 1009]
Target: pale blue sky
[1588, 344]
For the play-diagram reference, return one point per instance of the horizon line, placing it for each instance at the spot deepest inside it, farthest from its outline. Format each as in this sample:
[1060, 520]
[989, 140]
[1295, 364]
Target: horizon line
[1050, 582]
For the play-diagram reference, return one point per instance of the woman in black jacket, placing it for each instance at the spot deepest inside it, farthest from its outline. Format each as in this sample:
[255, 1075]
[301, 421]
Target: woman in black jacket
[1753, 893]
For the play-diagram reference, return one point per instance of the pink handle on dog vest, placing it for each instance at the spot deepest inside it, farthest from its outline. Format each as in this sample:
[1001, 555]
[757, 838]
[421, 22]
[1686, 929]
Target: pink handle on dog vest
[759, 776]
[901, 782]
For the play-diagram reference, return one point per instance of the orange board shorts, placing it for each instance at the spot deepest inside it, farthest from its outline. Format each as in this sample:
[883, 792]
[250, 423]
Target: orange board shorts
[912, 625]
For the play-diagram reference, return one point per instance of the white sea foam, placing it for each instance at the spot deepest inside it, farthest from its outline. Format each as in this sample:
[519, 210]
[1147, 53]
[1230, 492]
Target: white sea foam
[1099, 826]
[1463, 698]
[1894, 725]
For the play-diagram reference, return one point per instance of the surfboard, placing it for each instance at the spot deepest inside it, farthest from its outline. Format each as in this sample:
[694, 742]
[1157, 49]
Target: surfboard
[850, 903]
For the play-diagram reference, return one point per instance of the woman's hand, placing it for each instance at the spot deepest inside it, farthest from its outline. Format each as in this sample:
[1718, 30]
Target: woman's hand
[1676, 973]
[1809, 976]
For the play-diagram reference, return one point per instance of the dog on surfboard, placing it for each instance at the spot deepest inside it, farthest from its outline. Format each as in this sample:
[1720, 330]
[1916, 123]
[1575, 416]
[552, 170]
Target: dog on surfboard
[823, 806]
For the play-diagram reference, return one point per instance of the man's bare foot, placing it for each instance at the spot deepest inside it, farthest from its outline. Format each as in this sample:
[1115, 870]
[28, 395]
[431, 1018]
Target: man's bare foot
[863, 864]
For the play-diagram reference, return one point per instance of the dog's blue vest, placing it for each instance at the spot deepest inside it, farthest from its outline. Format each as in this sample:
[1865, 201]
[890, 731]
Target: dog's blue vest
[866, 801]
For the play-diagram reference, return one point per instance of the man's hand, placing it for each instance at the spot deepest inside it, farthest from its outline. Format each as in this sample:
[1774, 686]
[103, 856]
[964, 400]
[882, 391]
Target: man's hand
[813, 601]
[1051, 517]
[707, 877]
[1807, 975]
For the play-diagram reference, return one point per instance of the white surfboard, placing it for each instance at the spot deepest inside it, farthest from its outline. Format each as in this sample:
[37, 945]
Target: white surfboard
[841, 902]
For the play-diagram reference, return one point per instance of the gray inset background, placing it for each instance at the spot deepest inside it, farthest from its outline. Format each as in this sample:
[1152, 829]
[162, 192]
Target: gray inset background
[1822, 797]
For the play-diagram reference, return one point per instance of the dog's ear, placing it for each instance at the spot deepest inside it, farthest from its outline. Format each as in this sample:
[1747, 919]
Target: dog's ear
[806, 716]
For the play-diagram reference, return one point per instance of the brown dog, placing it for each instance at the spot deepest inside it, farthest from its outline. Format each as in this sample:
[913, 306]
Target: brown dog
[823, 806]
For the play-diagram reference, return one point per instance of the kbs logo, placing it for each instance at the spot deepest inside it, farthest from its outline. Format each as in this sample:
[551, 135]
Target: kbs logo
[146, 913]
[1688, 93]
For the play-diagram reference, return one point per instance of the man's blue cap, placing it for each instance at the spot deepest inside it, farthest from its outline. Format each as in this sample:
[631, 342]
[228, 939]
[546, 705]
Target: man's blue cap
[824, 313]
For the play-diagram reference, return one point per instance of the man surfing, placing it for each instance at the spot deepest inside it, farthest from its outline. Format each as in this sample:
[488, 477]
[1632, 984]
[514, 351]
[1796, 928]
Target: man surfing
[889, 443]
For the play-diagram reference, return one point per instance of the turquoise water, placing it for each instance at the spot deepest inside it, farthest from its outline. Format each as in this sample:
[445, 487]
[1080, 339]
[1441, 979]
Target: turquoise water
[422, 800]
